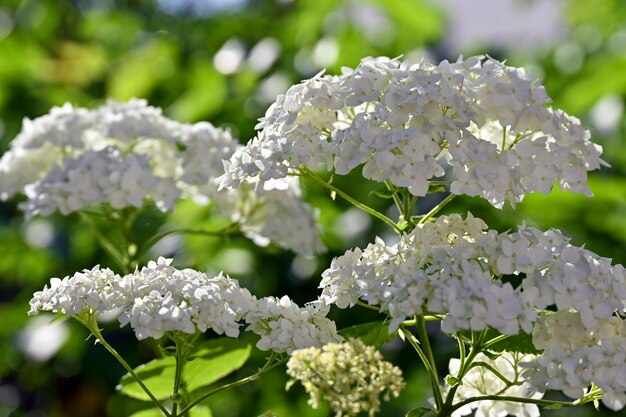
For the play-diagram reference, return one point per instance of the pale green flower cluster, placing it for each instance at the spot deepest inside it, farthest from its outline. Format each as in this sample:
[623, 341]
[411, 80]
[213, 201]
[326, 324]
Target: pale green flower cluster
[351, 376]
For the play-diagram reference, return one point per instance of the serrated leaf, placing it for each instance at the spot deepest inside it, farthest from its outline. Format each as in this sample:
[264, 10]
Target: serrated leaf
[213, 360]
[420, 412]
[374, 333]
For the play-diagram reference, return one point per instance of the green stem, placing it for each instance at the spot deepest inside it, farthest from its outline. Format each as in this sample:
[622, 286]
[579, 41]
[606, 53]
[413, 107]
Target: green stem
[437, 208]
[180, 361]
[90, 323]
[432, 373]
[497, 373]
[462, 353]
[105, 243]
[513, 399]
[364, 305]
[225, 231]
[495, 340]
[423, 337]
[464, 367]
[427, 317]
[431, 182]
[240, 382]
[396, 198]
[318, 180]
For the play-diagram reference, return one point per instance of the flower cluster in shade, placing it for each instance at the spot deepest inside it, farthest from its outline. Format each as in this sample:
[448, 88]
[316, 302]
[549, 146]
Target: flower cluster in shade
[160, 298]
[128, 154]
[351, 376]
[456, 268]
[480, 381]
[482, 124]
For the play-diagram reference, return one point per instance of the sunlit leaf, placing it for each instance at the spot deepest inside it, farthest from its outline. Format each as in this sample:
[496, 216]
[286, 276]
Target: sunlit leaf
[374, 333]
[419, 412]
[212, 361]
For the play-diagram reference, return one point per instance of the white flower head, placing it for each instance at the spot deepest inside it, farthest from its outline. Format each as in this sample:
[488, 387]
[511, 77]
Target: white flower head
[129, 155]
[484, 121]
[285, 327]
[154, 300]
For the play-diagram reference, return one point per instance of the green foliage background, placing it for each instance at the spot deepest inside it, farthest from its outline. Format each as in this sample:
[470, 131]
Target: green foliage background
[83, 51]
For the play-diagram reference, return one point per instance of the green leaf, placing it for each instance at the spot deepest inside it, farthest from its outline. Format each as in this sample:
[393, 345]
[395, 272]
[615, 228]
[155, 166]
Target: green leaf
[419, 412]
[374, 333]
[215, 360]
[212, 361]
[522, 343]
[268, 414]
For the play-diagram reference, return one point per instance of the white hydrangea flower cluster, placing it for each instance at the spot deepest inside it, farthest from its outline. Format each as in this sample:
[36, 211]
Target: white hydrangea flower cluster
[160, 298]
[104, 176]
[273, 212]
[440, 268]
[124, 154]
[165, 299]
[482, 381]
[446, 267]
[405, 123]
[453, 267]
[97, 289]
[574, 357]
[285, 327]
[156, 299]
[66, 137]
[351, 376]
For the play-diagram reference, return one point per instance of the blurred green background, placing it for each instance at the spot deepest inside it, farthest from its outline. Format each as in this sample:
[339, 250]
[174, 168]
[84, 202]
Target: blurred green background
[225, 61]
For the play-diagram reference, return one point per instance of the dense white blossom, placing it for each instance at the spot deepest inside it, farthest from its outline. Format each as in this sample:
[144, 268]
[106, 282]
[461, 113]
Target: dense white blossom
[285, 327]
[484, 121]
[480, 380]
[447, 267]
[351, 376]
[159, 298]
[127, 154]
[576, 356]
[165, 299]
[454, 267]
[273, 212]
[97, 289]
[156, 299]
[104, 176]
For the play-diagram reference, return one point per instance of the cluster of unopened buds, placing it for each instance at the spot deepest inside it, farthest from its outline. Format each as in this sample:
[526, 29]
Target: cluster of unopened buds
[478, 126]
